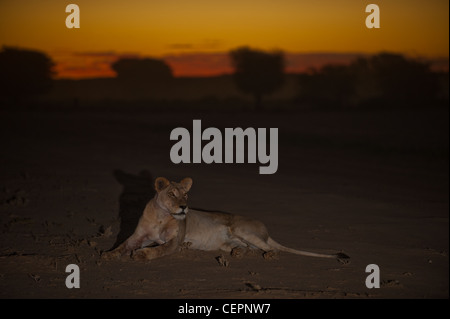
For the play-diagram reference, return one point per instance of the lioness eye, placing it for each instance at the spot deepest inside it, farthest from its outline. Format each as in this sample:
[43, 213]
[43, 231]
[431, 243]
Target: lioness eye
[171, 194]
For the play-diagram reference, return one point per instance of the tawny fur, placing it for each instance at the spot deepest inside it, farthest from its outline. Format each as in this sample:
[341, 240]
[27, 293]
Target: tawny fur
[167, 223]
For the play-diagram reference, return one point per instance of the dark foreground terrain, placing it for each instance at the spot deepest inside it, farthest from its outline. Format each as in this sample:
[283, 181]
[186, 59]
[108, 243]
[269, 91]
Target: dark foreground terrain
[372, 184]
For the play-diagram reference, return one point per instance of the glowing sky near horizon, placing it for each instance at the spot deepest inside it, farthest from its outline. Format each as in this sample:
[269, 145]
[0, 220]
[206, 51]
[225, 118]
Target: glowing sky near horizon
[172, 27]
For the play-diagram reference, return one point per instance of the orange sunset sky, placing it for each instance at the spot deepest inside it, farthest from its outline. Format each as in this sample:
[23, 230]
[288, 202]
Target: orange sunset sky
[194, 36]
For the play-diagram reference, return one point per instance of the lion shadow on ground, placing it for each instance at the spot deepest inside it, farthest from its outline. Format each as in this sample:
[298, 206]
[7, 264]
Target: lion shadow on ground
[138, 190]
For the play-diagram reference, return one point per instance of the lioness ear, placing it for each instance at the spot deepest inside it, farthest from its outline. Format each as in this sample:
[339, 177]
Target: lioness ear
[161, 183]
[186, 183]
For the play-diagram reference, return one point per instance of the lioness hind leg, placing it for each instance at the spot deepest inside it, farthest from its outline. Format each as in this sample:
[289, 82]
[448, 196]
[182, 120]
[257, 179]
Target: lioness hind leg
[259, 243]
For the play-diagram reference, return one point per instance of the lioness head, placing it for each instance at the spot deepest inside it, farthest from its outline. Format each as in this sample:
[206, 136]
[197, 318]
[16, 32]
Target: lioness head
[173, 196]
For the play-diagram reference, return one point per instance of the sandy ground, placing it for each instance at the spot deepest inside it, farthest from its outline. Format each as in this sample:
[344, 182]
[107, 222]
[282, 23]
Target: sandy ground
[373, 184]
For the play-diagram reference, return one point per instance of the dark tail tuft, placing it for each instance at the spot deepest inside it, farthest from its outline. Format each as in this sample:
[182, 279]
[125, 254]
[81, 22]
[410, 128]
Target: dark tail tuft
[342, 256]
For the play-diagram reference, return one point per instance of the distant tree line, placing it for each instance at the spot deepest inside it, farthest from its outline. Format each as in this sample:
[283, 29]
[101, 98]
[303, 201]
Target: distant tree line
[382, 80]
[385, 78]
[24, 74]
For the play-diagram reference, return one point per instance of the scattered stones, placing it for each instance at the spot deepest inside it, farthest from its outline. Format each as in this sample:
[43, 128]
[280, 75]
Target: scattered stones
[222, 261]
[407, 273]
[105, 232]
[253, 286]
[35, 277]
[237, 252]
[16, 199]
[390, 283]
[270, 255]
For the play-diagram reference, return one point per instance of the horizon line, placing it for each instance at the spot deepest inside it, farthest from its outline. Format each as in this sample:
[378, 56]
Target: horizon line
[97, 64]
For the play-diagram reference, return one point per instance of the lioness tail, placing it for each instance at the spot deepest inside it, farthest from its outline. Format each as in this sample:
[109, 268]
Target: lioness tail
[272, 243]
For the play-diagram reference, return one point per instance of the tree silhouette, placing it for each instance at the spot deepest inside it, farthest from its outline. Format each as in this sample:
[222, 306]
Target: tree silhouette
[24, 73]
[142, 70]
[386, 79]
[399, 79]
[257, 72]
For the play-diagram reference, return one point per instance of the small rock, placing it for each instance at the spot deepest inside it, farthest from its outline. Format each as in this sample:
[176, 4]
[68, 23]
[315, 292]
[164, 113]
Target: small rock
[237, 252]
[253, 286]
[222, 261]
[92, 243]
[36, 278]
[390, 283]
[105, 232]
[270, 255]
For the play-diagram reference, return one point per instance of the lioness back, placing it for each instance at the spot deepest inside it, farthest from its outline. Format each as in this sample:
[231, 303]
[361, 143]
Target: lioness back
[216, 230]
[207, 230]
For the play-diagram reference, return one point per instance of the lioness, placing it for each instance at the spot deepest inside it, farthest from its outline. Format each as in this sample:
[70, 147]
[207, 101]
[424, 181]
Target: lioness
[167, 223]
